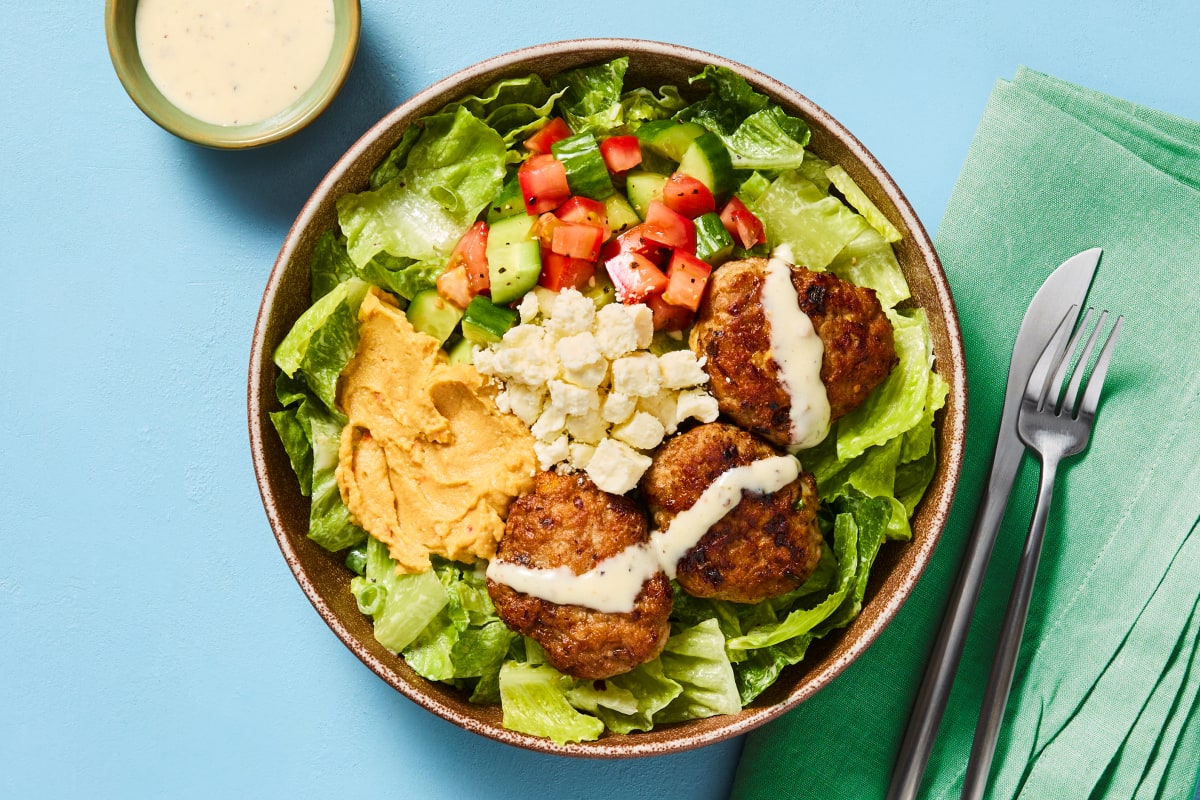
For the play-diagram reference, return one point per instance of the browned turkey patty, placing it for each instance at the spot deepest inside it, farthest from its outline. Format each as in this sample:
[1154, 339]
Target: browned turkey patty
[567, 521]
[732, 334]
[765, 546]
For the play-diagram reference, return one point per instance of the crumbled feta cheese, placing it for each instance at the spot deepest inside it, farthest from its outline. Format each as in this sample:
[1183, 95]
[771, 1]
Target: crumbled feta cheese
[618, 407]
[697, 404]
[590, 428]
[549, 424]
[524, 401]
[580, 454]
[573, 400]
[572, 313]
[615, 331]
[663, 406]
[643, 323]
[528, 308]
[590, 377]
[680, 369]
[579, 351]
[616, 467]
[642, 431]
[550, 453]
[636, 375]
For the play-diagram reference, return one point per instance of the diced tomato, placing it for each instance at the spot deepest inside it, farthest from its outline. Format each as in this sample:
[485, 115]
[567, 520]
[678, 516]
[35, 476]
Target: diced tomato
[454, 286]
[635, 277]
[632, 241]
[686, 278]
[543, 181]
[742, 224]
[471, 252]
[688, 196]
[621, 153]
[577, 240]
[563, 272]
[543, 229]
[669, 227]
[668, 317]
[554, 131]
[583, 209]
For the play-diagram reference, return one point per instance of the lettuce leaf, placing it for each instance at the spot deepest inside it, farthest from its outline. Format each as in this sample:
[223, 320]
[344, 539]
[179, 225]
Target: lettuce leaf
[629, 702]
[402, 605]
[512, 107]
[757, 133]
[533, 699]
[591, 96]
[695, 658]
[391, 166]
[859, 201]
[815, 225]
[453, 170]
[867, 260]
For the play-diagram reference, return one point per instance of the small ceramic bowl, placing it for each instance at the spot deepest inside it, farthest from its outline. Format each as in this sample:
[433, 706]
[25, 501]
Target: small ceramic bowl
[119, 23]
[326, 580]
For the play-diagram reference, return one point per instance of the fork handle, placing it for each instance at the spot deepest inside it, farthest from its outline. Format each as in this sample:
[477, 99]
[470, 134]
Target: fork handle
[934, 693]
[995, 697]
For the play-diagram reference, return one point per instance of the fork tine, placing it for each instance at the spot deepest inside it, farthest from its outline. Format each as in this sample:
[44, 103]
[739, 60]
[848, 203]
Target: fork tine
[1054, 391]
[1035, 389]
[1091, 395]
[1068, 403]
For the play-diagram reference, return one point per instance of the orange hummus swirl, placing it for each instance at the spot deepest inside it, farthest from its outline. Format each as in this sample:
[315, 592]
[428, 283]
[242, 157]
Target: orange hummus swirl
[427, 464]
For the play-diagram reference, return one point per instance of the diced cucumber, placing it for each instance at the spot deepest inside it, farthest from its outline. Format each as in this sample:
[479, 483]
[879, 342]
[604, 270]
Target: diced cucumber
[430, 313]
[642, 187]
[713, 242]
[707, 160]
[513, 269]
[484, 322]
[668, 137]
[461, 352]
[600, 289]
[510, 230]
[587, 174]
[620, 213]
[507, 203]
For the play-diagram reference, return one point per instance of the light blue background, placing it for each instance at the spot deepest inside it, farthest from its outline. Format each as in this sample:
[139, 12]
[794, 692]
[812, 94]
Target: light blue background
[152, 640]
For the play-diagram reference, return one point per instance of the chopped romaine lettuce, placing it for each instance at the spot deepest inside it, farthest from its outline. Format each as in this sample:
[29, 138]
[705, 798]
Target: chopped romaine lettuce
[814, 224]
[859, 201]
[453, 170]
[695, 658]
[534, 701]
[513, 107]
[869, 261]
[402, 605]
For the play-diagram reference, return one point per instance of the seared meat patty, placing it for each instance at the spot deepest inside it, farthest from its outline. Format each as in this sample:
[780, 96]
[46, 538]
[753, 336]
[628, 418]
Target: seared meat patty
[567, 522]
[732, 333]
[765, 546]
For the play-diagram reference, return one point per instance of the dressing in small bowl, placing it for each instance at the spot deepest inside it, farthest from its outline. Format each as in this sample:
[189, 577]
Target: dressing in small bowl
[230, 74]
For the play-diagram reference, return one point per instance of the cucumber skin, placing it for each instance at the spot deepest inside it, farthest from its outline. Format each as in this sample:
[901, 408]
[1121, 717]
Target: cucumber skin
[507, 203]
[708, 161]
[642, 187]
[430, 313]
[485, 323]
[713, 243]
[587, 174]
[668, 137]
[513, 270]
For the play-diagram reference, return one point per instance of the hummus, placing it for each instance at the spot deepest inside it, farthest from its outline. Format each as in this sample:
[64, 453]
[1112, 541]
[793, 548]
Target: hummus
[428, 463]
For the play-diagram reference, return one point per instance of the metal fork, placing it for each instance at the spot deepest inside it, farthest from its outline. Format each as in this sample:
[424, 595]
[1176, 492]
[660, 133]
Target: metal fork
[1054, 429]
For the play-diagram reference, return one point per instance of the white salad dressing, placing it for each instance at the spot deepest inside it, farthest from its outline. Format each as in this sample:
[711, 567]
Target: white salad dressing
[612, 586]
[798, 351]
[234, 62]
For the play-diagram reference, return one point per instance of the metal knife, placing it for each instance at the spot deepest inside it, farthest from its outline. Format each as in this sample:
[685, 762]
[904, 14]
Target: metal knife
[1067, 286]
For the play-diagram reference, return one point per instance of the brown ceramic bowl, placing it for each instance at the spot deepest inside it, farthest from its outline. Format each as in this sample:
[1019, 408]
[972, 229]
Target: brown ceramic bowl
[326, 581]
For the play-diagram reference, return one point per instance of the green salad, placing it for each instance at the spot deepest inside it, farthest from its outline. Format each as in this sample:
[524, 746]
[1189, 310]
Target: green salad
[471, 163]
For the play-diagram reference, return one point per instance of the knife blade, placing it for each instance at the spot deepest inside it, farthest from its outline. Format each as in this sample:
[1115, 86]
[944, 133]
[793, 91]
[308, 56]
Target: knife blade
[1065, 287]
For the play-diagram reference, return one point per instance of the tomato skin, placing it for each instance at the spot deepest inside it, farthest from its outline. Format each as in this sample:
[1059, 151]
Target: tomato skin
[621, 153]
[554, 131]
[686, 278]
[669, 227]
[742, 224]
[471, 253]
[583, 209]
[454, 286]
[635, 276]
[577, 240]
[688, 196]
[543, 180]
[668, 317]
[563, 272]
[634, 241]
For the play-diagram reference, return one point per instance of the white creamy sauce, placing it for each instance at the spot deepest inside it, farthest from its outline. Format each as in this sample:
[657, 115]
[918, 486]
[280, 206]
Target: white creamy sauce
[234, 62]
[612, 586]
[798, 350]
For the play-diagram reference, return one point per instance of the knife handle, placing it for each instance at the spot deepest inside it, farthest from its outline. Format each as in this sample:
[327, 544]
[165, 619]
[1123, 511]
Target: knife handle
[934, 693]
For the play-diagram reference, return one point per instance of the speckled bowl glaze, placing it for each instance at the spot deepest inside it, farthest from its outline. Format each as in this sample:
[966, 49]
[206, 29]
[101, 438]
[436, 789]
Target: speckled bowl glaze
[326, 581]
[119, 18]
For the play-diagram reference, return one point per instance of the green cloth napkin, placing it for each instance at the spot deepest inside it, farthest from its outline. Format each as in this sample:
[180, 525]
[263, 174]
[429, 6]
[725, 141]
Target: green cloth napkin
[1104, 701]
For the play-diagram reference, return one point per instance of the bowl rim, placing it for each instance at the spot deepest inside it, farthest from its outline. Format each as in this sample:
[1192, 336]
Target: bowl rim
[936, 505]
[127, 62]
